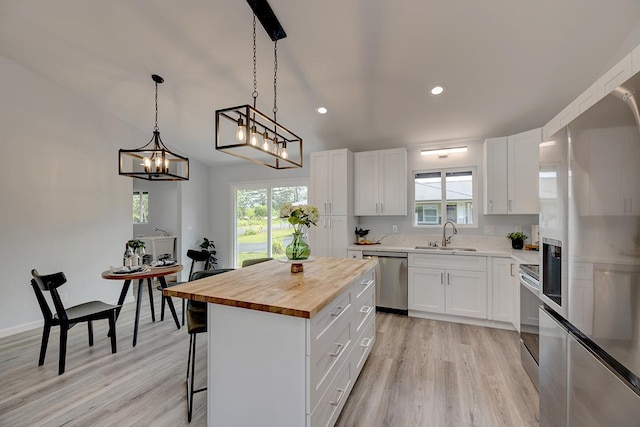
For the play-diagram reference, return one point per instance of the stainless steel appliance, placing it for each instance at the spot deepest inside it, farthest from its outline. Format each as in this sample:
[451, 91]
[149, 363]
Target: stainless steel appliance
[391, 281]
[553, 286]
[529, 324]
[598, 157]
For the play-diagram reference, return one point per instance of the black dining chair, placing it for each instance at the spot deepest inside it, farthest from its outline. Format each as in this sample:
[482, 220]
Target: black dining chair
[196, 323]
[195, 256]
[67, 317]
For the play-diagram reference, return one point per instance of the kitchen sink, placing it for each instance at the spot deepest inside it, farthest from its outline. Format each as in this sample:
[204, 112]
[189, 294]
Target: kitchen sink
[446, 248]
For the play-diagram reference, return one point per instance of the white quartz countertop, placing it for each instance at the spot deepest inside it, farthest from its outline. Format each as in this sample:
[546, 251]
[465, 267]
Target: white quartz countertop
[521, 256]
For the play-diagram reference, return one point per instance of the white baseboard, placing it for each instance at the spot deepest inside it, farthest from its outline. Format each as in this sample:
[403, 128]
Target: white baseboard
[461, 319]
[40, 323]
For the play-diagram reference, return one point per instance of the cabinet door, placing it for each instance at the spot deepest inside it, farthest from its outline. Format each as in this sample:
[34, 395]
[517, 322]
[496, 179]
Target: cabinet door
[495, 175]
[426, 289]
[523, 172]
[392, 192]
[366, 183]
[466, 293]
[319, 238]
[337, 236]
[318, 187]
[336, 179]
[502, 288]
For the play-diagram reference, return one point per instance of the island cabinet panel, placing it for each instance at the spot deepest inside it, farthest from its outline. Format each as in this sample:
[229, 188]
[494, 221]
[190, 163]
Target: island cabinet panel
[284, 364]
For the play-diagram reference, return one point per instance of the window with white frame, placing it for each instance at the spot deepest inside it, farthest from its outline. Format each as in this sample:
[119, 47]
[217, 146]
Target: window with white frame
[140, 207]
[445, 194]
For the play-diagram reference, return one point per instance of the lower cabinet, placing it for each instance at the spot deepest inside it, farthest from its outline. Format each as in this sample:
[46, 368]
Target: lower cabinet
[503, 286]
[445, 284]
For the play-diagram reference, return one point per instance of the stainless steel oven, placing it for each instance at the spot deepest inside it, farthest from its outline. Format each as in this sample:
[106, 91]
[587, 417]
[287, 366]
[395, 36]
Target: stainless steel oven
[529, 319]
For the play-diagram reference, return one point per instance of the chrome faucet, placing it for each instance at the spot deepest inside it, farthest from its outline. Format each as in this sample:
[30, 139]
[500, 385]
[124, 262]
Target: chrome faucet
[446, 239]
[165, 232]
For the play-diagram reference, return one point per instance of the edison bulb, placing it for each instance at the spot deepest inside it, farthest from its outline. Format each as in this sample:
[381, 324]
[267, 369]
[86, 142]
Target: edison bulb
[284, 153]
[240, 131]
[254, 135]
[146, 163]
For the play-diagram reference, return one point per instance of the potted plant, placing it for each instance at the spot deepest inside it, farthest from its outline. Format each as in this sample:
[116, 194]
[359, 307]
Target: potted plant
[207, 245]
[517, 239]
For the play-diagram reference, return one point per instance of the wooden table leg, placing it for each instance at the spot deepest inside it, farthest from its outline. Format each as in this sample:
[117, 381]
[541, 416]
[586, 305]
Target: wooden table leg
[163, 285]
[139, 300]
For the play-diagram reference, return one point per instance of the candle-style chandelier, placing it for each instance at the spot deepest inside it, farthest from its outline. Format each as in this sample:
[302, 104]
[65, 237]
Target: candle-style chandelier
[154, 161]
[245, 132]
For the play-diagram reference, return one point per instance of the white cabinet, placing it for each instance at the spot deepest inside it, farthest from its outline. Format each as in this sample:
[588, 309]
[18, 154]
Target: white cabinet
[331, 191]
[511, 173]
[503, 287]
[446, 284]
[329, 237]
[331, 181]
[380, 182]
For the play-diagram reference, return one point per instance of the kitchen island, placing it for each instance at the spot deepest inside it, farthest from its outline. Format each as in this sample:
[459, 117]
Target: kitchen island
[284, 349]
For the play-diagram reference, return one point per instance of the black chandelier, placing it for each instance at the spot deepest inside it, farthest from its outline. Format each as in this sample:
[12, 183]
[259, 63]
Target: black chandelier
[154, 161]
[245, 132]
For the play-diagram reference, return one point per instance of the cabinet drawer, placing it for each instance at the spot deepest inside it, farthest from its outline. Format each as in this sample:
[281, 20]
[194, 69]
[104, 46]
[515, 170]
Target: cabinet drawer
[325, 362]
[333, 315]
[457, 262]
[331, 403]
[365, 285]
[365, 309]
[363, 346]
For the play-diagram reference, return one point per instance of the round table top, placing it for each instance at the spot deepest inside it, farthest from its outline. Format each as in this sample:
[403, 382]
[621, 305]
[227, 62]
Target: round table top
[152, 272]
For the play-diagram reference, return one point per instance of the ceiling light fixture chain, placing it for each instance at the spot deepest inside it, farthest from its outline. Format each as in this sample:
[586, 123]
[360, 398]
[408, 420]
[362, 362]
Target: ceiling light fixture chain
[255, 75]
[275, 79]
[156, 126]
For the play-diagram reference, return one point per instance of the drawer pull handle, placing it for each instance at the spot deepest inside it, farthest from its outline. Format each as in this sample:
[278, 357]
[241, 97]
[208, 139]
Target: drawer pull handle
[338, 311]
[338, 351]
[340, 394]
[365, 309]
[366, 342]
[366, 282]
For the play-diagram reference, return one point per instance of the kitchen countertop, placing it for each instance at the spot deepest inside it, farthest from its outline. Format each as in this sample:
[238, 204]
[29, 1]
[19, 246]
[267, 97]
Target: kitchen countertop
[270, 286]
[519, 255]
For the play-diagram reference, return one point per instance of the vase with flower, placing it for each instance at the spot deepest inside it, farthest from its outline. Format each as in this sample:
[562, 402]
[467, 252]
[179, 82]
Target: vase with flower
[299, 216]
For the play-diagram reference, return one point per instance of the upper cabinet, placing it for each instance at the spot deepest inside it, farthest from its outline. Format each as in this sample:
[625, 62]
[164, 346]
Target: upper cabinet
[511, 173]
[331, 183]
[380, 182]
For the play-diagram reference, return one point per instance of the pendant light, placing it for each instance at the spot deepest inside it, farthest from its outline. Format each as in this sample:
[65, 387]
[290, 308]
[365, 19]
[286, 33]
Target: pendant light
[245, 132]
[154, 161]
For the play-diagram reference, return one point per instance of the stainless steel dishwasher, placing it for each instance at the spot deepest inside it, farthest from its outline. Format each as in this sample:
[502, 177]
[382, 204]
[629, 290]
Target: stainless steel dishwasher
[391, 281]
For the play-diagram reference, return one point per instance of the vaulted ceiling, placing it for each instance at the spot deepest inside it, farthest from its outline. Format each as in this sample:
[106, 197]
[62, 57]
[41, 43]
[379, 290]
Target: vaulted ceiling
[508, 66]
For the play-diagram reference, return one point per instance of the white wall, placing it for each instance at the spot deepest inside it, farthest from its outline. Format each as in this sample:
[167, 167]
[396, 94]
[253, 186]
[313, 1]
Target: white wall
[64, 208]
[222, 201]
[194, 216]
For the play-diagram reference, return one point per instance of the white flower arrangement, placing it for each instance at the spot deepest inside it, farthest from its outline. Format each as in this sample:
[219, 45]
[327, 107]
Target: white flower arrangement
[300, 216]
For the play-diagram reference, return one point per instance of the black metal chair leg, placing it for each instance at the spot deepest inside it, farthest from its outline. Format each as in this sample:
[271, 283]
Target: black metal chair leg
[189, 358]
[190, 379]
[45, 342]
[112, 328]
[90, 329]
[162, 308]
[153, 311]
[184, 306]
[63, 348]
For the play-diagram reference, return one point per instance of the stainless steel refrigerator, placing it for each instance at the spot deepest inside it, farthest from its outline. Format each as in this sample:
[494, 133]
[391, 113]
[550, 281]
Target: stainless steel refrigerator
[595, 321]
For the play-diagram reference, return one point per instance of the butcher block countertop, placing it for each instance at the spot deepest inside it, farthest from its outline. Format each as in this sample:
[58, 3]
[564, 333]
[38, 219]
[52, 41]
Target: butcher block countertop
[270, 286]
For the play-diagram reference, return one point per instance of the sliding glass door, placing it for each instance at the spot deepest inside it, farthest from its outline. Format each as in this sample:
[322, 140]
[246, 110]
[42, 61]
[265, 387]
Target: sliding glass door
[259, 231]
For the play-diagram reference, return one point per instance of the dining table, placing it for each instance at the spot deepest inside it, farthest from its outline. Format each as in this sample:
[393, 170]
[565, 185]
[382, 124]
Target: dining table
[148, 273]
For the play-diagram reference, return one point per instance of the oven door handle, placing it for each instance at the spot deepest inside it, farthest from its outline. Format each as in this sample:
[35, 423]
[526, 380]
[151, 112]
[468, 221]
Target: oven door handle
[533, 289]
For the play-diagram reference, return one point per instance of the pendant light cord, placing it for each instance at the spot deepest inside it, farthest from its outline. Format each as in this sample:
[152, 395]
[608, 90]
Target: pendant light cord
[255, 78]
[275, 82]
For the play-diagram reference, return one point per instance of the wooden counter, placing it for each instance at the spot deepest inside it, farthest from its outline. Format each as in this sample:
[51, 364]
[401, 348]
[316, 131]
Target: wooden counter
[271, 287]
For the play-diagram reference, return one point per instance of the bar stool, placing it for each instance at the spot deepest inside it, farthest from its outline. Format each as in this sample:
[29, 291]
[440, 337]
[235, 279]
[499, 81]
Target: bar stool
[195, 256]
[196, 323]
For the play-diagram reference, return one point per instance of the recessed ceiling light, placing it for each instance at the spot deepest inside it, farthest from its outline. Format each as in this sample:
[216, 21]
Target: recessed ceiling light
[321, 110]
[437, 90]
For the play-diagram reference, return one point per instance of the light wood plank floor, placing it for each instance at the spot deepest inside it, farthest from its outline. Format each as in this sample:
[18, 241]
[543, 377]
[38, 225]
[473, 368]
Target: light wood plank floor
[420, 373]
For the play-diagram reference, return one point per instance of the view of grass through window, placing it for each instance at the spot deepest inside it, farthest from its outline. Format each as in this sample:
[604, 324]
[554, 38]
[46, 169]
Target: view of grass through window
[260, 232]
